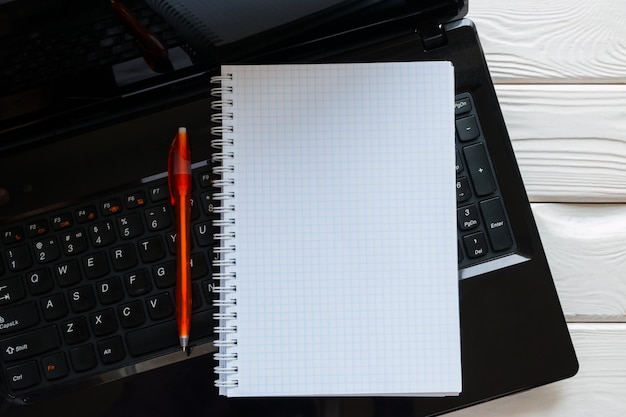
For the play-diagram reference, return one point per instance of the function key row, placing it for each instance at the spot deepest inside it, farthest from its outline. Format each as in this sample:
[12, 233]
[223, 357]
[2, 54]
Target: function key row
[107, 207]
[104, 233]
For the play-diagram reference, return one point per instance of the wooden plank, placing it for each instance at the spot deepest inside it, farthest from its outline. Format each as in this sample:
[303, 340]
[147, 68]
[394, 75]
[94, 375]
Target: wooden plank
[569, 140]
[560, 41]
[597, 389]
[585, 245]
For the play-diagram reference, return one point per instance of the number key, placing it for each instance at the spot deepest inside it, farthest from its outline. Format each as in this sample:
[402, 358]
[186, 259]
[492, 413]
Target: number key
[19, 258]
[130, 225]
[101, 234]
[74, 242]
[158, 217]
[475, 245]
[47, 250]
[467, 217]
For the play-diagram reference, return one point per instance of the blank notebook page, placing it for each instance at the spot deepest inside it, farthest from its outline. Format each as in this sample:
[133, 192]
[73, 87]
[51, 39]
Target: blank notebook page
[345, 211]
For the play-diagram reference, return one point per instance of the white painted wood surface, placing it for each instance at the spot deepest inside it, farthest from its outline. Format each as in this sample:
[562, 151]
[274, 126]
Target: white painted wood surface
[569, 140]
[556, 41]
[597, 390]
[560, 73]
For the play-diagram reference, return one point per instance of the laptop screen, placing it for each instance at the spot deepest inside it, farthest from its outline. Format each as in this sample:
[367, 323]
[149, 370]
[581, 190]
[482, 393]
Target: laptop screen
[61, 57]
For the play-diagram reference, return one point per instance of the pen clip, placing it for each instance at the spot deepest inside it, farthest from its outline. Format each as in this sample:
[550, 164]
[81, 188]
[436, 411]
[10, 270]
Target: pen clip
[179, 166]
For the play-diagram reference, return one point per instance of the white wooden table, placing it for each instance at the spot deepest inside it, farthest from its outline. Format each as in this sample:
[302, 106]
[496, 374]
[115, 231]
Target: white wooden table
[560, 73]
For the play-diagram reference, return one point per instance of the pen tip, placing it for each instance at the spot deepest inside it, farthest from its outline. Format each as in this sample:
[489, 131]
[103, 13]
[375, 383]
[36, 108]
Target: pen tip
[184, 344]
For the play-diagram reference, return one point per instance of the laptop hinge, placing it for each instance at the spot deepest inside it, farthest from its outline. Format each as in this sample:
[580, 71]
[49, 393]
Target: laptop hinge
[432, 36]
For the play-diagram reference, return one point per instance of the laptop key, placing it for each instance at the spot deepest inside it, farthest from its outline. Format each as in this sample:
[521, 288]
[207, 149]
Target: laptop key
[29, 344]
[61, 221]
[37, 228]
[463, 192]
[74, 242]
[111, 350]
[18, 317]
[462, 104]
[101, 234]
[39, 281]
[54, 366]
[11, 290]
[54, 306]
[75, 330]
[86, 214]
[23, 375]
[479, 169]
[47, 250]
[475, 245]
[13, 235]
[496, 224]
[459, 163]
[153, 338]
[131, 314]
[103, 322]
[164, 335]
[467, 217]
[67, 273]
[467, 128]
[19, 258]
[83, 358]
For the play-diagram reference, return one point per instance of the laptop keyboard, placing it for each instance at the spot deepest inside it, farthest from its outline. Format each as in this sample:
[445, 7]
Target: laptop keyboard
[483, 227]
[58, 52]
[88, 289]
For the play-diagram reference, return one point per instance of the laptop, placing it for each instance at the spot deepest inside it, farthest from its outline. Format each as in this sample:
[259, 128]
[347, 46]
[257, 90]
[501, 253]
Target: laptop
[92, 94]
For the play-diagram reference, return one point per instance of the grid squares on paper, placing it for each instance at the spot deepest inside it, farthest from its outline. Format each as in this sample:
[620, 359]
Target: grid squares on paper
[345, 225]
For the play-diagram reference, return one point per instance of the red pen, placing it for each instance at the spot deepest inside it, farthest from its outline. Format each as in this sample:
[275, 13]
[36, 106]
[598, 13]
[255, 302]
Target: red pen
[179, 181]
[154, 52]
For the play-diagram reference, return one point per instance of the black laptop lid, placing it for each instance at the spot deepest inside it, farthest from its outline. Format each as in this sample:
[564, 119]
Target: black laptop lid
[67, 64]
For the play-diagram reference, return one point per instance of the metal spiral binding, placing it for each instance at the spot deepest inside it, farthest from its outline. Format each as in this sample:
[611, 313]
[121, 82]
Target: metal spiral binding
[224, 253]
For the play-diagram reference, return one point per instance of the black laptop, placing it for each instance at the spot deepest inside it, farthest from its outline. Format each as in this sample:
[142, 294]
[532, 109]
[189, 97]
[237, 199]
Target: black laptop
[92, 95]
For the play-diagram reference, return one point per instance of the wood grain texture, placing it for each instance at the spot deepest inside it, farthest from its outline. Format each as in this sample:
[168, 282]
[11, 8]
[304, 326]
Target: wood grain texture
[597, 389]
[586, 249]
[569, 140]
[558, 41]
[560, 73]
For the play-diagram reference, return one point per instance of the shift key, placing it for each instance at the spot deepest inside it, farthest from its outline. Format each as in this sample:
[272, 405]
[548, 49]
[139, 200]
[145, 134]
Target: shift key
[18, 317]
[29, 344]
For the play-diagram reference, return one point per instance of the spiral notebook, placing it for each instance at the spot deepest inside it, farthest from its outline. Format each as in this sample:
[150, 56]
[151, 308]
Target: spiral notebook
[338, 250]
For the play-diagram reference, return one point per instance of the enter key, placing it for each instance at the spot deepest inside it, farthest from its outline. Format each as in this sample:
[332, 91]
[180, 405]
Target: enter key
[496, 224]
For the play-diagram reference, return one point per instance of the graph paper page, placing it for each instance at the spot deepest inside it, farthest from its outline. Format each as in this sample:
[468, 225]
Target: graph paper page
[346, 248]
